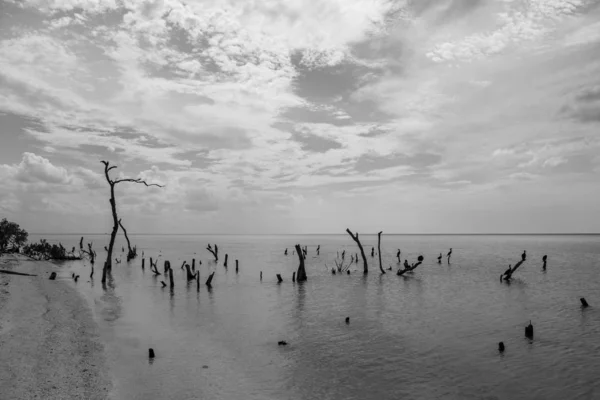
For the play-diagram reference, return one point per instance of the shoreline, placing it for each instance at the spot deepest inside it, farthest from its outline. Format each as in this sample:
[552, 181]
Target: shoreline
[49, 342]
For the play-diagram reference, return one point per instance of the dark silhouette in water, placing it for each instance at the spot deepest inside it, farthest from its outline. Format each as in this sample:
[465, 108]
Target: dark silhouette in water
[529, 331]
[507, 275]
[398, 255]
[524, 255]
[379, 251]
[410, 268]
[151, 353]
[347, 320]
[318, 249]
[501, 347]
[362, 251]
[544, 259]
[440, 258]
[282, 343]
[449, 255]
[372, 251]
[343, 254]
[285, 252]
[584, 303]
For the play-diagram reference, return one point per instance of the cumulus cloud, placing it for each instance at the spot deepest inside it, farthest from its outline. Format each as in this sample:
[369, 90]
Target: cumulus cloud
[255, 105]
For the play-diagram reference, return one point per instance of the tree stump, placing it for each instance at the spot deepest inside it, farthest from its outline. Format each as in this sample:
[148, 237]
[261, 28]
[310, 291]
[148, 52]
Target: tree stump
[209, 280]
[584, 303]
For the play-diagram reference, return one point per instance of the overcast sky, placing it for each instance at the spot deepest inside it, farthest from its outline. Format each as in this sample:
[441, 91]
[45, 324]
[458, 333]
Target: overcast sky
[302, 116]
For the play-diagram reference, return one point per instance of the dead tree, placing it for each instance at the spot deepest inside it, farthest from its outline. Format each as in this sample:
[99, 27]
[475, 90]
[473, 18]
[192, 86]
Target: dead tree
[113, 205]
[214, 252]
[301, 274]
[362, 251]
[90, 252]
[340, 265]
[379, 251]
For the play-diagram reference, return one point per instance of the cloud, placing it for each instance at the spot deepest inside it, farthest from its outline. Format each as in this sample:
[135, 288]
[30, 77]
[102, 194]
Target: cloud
[244, 107]
[38, 169]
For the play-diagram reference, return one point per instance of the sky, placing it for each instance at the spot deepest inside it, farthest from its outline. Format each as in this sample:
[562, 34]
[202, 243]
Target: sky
[301, 116]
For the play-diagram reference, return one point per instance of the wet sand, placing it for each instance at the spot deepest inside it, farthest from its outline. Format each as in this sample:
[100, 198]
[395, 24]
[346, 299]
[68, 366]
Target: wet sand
[49, 342]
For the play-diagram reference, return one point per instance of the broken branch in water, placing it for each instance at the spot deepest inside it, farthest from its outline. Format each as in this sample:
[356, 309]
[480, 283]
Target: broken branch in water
[379, 251]
[507, 275]
[214, 252]
[362, 251]
[410, 268]
[3, 271]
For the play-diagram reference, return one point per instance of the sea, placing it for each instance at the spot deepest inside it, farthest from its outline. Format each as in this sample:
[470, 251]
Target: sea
[430, 334]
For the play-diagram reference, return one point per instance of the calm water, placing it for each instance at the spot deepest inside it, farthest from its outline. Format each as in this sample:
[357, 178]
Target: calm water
[431, 335]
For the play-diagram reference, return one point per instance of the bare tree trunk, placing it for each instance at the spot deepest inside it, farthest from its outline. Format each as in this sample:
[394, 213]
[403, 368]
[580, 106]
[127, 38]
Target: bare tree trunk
[131, 253]
[113, 206]
[301, 275]
[113, 234]
[379, 251]
[362, 251]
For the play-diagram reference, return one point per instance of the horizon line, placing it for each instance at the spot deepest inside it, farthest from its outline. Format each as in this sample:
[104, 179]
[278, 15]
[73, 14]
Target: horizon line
[329, 234]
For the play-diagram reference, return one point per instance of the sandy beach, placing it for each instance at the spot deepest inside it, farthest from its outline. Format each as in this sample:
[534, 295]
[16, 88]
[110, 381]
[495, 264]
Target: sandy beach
[49, 343]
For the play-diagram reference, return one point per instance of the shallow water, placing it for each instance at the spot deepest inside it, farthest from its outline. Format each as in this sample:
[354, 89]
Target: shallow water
[431, 335]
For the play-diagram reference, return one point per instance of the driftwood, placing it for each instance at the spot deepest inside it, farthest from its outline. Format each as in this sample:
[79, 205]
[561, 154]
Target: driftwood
[362, 251]
[52, 276]
[449, 255]
[113, 206]
[171, 280]
[410, 268]
[301, 274]
[214, 252]
[279, 280]
[507, 275]
[379, 251]
[209, 280]
[3, 271]
[294, 276]
[198, 280]
[226, 258]
[193, 265]
[318, 249]
[285, 252]
[153, 267]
